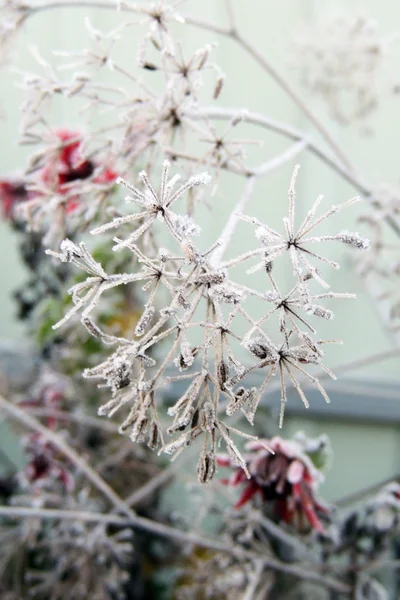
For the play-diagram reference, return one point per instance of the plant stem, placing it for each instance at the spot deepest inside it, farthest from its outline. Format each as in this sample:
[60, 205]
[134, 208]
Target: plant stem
[286, 130]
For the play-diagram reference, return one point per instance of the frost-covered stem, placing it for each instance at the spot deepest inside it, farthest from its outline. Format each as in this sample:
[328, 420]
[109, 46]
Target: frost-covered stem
[226, 166]
[134, 521]
[170, 353]
[281, 128]
[230, 226]
[172, 533]
[231, 14]
[373, 359]
[290, 91]
[31, 10]
[29, 421]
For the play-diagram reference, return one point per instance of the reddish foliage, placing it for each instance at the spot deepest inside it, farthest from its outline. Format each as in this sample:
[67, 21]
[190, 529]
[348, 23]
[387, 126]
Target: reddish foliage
[286, 480]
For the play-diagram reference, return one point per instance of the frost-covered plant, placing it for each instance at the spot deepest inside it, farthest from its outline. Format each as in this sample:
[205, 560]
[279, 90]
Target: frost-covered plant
[195, 284]
[342, 57]
[182, 343]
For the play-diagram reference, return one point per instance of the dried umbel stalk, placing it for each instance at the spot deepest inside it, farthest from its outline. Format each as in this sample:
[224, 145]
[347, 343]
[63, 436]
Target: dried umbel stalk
[192, 284]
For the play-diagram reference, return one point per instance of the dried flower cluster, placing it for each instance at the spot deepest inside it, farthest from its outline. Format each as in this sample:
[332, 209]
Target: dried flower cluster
[195, 286]
[341, 58]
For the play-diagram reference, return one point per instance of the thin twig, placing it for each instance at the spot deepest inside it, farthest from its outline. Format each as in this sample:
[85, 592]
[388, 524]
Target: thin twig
[151, 486]
[80, 418]
[369, 489]
[233, 220]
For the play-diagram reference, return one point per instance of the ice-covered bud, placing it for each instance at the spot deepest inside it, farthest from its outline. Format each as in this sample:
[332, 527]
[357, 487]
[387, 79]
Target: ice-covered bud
[259, 347]
[318, 311]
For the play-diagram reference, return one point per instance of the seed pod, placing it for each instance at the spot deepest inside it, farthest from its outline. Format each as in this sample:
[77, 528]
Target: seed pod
[92, 328]
[206, 467]
[238, 400]
[186, 357]
[139, 429]
[195, 418]
[209, 416]
[154, 436]
[222, 372]
[258, 348]
[149, 66]
[318, 311]
[268, 266]
[182, 302]
[144, 320]
[130, 420]
[183, 422]
[218, 86]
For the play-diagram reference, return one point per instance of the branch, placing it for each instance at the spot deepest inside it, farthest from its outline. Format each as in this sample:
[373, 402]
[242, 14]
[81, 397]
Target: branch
[230, 226]
[151, 486]
[181, 536]
[29, 421]
[284, 129]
